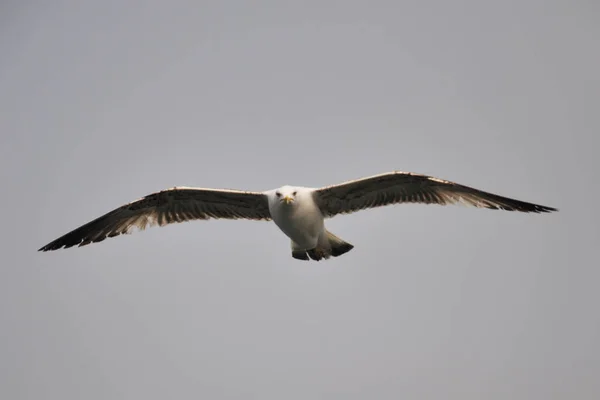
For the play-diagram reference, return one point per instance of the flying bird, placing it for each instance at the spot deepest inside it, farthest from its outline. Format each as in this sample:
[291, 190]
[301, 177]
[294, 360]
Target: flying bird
[299, 212]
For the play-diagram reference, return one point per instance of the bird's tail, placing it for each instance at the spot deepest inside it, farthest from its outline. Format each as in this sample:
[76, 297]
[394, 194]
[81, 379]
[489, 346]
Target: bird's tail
[336, 247]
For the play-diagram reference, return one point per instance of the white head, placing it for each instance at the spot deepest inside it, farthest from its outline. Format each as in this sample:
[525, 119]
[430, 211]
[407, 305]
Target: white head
[286, 195]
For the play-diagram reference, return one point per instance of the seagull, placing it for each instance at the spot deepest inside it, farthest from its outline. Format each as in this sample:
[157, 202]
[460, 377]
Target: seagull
[299, 212]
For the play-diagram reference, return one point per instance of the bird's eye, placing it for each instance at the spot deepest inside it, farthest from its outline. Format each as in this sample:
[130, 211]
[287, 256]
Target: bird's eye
[278, 194]
[294, 193]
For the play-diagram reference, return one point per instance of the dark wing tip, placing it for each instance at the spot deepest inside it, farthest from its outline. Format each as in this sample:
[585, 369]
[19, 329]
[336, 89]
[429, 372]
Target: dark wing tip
[61, 243]
[54, 245]
[545, 209]
[521, 206]
[78, 237]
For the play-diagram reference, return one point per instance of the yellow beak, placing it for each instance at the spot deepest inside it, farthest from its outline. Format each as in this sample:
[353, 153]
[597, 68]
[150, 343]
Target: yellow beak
[288, 199]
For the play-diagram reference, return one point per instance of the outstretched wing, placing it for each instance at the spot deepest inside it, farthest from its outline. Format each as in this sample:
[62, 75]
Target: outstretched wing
[406, 187]
[178, 204]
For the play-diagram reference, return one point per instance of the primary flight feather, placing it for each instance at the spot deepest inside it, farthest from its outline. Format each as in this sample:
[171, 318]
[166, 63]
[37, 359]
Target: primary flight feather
[298, 211]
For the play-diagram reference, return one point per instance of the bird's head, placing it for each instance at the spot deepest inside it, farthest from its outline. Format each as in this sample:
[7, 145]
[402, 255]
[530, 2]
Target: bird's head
[286, 194]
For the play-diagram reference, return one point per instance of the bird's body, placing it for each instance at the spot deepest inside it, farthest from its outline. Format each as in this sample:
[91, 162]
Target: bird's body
[294, 210]
[299, 212]
[300, 219]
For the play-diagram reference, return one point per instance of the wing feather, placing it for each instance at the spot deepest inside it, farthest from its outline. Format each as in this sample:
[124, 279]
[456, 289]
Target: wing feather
[169, 206]
[406, 187]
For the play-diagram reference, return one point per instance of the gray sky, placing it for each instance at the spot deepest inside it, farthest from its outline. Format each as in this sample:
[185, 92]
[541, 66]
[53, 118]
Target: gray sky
[104, 102]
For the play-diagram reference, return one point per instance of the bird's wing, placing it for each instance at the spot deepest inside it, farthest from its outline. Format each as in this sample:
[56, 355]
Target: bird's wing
[178, 204]
[406, 187]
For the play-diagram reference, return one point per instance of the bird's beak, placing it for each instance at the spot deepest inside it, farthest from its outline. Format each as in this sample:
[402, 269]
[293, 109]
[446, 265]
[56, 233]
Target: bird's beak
[288, 199]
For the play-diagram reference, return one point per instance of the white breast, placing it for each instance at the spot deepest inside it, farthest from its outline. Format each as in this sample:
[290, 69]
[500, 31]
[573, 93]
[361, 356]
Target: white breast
[301, 221]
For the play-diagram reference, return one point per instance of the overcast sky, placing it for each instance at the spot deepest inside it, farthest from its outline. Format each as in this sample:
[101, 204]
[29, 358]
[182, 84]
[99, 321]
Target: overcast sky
[104, 102]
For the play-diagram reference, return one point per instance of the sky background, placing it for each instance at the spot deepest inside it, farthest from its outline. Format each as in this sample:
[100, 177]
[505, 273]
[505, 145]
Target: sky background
[103, 102]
